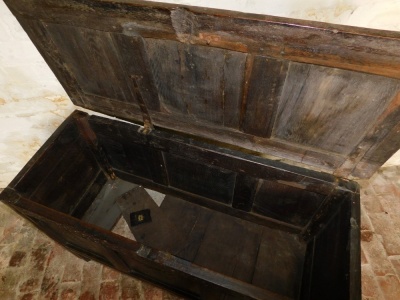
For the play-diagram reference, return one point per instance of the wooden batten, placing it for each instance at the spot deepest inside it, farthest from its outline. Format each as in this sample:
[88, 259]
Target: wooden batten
[319, 95]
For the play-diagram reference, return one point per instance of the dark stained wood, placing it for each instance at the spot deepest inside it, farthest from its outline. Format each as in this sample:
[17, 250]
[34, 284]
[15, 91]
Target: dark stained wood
[217, 92]
[220, 250]
[288, 203]
[214, 155]
[323, 213]
[285, 151]
[93, 189]
[192, 221]
[245, 190]
[279, 263]
[331, 244]
[216, 251]
[265, 85]
[113, 107]
[136, 64]
[188, 176]
[36, 30]
[99, 53]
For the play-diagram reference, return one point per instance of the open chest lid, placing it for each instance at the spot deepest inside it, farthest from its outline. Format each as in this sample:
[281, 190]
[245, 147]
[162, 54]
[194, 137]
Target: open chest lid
[324, 96]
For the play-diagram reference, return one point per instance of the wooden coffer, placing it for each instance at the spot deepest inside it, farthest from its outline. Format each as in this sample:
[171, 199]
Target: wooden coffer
[247, 127]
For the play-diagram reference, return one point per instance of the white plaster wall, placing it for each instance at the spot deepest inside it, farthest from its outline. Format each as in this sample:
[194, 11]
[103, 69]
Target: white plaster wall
[33, 103]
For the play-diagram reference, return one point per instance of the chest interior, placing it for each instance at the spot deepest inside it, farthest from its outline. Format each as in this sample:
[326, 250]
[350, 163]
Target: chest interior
[253, 227]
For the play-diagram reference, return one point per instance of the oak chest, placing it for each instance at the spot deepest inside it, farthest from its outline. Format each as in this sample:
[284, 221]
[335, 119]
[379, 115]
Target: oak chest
[232, 148]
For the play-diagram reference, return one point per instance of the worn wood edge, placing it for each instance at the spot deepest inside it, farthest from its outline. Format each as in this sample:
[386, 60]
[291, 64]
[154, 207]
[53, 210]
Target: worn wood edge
[355, 248]
[377, 67]
[110, 240]
[225, 282]
[165, 136]
[276, 148]
[42, 150]
[50, 55]
[373, 141]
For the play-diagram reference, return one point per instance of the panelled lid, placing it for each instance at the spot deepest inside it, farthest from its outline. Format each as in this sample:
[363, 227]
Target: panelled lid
[320, 95]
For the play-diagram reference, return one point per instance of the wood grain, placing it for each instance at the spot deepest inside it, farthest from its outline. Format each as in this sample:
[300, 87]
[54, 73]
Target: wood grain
[330, 109]
[288, 88]
[265, 85]
[198, 81]
[279, 263]
[366, 50]
[99, 53]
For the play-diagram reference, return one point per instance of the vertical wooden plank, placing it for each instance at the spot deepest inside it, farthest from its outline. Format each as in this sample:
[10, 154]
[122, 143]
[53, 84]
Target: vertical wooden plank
[196, 81]
[92, 191]
[133, 54]
[231, 88]
[245, 190]
[265, 86]
[157, 167]
[245, 89]
[97, 55]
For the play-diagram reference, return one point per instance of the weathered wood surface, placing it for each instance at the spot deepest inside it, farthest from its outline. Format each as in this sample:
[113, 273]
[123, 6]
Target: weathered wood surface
[367, 50]
[324, 96]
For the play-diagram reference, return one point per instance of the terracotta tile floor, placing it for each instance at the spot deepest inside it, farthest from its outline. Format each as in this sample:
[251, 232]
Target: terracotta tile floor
[34, 267]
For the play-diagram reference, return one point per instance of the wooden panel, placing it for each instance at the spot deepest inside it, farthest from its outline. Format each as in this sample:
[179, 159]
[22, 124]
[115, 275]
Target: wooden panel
[353, 48]
[189, 176]
[134, 58]
[330, 280]
[29, 181]
[230, 247]
[37, 32]
[95, 63]
[265, 85]
[286, 202]
[245, 190]
[193, 221]
[204, 83]
[370, 154]
[92, 191]
[189, 66]
[56, 182]
[330, 109]
[280, 263]
[176, 227]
